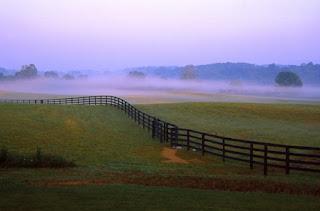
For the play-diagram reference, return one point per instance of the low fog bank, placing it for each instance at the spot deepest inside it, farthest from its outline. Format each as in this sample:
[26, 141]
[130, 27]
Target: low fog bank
[125, 86]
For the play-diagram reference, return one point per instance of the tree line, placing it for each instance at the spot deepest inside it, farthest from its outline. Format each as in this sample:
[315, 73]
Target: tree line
[309, 73]
[31, 72]
[285, 78]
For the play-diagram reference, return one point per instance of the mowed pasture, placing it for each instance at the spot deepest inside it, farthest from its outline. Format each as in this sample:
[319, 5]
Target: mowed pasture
[120, 166]
[293, 124]
[89, 135]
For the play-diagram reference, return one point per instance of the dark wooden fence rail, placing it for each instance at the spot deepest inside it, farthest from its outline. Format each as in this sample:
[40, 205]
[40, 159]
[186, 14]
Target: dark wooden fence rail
[253, 153]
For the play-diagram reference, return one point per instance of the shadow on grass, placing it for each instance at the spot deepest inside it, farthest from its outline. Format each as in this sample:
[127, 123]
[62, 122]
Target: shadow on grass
[37, 160]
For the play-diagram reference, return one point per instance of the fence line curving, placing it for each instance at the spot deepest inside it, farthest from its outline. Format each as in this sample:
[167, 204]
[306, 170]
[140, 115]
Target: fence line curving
[286, 157]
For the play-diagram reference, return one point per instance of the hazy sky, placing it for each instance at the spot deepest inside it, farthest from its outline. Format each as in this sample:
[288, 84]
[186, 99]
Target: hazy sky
[101, 34]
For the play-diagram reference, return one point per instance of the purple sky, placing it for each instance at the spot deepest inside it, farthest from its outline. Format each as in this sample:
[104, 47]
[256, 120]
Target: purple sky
[102, 34]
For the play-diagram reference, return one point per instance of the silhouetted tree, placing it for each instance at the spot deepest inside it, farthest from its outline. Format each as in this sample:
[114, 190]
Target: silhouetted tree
[83, 76]
[68, 77]
[289, 79]
[189, 73]
[51, 74]
[136, 74]
[27, 71]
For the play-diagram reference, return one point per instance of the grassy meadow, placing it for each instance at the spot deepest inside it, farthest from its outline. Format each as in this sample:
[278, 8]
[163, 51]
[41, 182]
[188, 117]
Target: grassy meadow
[294, 124]
[120, 166]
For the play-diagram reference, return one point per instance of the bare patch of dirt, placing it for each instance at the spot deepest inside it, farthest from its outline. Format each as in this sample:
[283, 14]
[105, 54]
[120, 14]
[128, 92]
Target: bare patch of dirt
[71, 123]
[170, 155]
[189, 182]
[196, 160]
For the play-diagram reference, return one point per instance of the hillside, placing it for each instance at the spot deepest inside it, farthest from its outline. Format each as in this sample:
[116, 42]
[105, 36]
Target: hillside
[261, 74]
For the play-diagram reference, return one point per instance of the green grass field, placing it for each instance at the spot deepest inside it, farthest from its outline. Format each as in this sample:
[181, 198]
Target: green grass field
[120, 166]
[278, 123]
[88, 135]
[136, 197]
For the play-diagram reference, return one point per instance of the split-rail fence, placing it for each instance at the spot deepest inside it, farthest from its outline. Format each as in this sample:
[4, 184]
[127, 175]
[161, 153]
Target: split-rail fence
[267, 155]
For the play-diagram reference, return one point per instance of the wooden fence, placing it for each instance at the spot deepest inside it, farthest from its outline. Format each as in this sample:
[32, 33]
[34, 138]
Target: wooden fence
[286, 157]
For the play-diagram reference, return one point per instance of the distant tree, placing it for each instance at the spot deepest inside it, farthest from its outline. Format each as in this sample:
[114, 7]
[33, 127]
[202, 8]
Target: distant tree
[51, 74]
[27, 71]
[310, 64]
[288, 79]
[82, 76]
[136, 74]
[68, 77]
[272, 67]
[189, 73]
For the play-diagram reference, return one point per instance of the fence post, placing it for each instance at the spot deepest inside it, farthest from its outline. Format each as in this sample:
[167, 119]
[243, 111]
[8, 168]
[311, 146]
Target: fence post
[135, 115]
[138, 118]
[143, 120]
[223, 150]
[174, 137]
[149, 123]
[251, 155]
[166, 132]
[265, 163]
[188, 140]
[171, 137]
[154, 128]
[287, 160]
[160, 131]
[128, 108]
[202, 143]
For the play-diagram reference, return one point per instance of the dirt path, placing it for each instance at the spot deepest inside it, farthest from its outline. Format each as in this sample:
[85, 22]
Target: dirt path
[139, 178]
[171, 157]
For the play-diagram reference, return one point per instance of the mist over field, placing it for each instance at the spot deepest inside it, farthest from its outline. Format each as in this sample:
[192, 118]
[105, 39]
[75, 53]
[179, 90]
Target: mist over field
[121, 85]
[236, 48]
